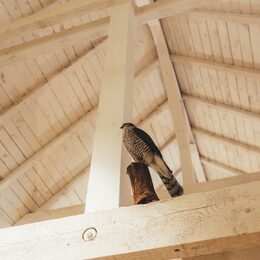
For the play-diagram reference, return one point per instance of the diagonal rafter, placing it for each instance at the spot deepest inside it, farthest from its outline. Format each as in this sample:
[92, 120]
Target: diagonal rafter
[188, 154]
[51, 42]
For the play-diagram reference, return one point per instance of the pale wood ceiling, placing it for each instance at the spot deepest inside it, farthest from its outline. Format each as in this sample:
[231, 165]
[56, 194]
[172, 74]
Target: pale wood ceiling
[49, 94]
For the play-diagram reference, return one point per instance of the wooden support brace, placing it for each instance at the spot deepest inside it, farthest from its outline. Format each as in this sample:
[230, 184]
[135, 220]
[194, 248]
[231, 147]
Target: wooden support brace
[142, 185]
[175, 104]
[191, 225]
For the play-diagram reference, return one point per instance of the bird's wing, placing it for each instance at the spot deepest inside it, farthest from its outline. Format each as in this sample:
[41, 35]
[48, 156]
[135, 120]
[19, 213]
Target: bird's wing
[148, 140]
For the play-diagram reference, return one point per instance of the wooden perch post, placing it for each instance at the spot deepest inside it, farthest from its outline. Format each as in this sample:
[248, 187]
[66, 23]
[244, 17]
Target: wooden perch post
[142, 185]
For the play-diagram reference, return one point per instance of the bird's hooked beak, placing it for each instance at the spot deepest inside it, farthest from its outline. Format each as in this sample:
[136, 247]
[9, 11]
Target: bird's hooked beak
[122, 126]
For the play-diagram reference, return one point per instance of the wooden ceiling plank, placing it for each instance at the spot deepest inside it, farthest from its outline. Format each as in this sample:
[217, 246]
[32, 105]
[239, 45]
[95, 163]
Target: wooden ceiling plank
[31, 96]
[82, 176]
[51, 146]
[178, 238]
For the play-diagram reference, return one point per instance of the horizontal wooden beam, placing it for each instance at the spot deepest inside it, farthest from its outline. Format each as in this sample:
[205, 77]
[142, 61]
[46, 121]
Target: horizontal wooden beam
[54, 41]
[195, 224]
[177, 59]
[226, 140]
[226, 182]
[252, 115]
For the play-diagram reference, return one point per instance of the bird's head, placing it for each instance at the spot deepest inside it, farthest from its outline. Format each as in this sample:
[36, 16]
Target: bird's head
[127, 125]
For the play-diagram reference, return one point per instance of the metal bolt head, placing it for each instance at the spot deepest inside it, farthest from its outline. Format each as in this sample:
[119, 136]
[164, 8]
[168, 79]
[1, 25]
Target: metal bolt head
[89, 234]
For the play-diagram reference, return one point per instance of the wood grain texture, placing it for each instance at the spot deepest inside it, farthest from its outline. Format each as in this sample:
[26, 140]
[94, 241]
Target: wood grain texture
[182, 227]
[141, 182]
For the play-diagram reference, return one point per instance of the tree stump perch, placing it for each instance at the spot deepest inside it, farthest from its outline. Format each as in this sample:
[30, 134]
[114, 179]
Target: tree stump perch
[141, 182]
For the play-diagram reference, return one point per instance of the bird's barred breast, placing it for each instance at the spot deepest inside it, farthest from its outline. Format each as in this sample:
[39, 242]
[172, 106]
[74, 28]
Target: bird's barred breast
[136, 146]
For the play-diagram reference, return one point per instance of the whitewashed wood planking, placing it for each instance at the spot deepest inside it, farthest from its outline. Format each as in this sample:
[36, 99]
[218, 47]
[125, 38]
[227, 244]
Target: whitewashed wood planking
[205, 37]
[48, 189]
[210, 38]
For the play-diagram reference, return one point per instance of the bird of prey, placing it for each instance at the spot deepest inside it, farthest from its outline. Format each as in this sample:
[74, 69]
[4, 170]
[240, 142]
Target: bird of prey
[142, 148]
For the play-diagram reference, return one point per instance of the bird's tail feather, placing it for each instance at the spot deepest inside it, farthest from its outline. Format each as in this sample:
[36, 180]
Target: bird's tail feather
[161, 167]
[172, 185]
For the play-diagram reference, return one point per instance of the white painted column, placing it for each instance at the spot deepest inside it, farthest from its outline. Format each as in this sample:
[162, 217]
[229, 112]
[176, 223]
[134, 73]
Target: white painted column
[109, 159]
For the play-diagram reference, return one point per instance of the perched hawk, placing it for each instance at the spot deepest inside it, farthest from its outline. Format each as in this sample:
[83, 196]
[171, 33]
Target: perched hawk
[142, 148]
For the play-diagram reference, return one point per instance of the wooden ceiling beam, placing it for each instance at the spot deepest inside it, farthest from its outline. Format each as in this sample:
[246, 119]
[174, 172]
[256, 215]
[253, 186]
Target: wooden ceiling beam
[54, 41]
[212, 163]
[244, 113]
[226, 140]
[51, 146]
[53, 15]
[164, 8]
[177, 59]
[58, 13]
[189, 159]
[183, 235]
[36, 92]
[225, 16]
[221, 167]
[175, 103]
[108, 186]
